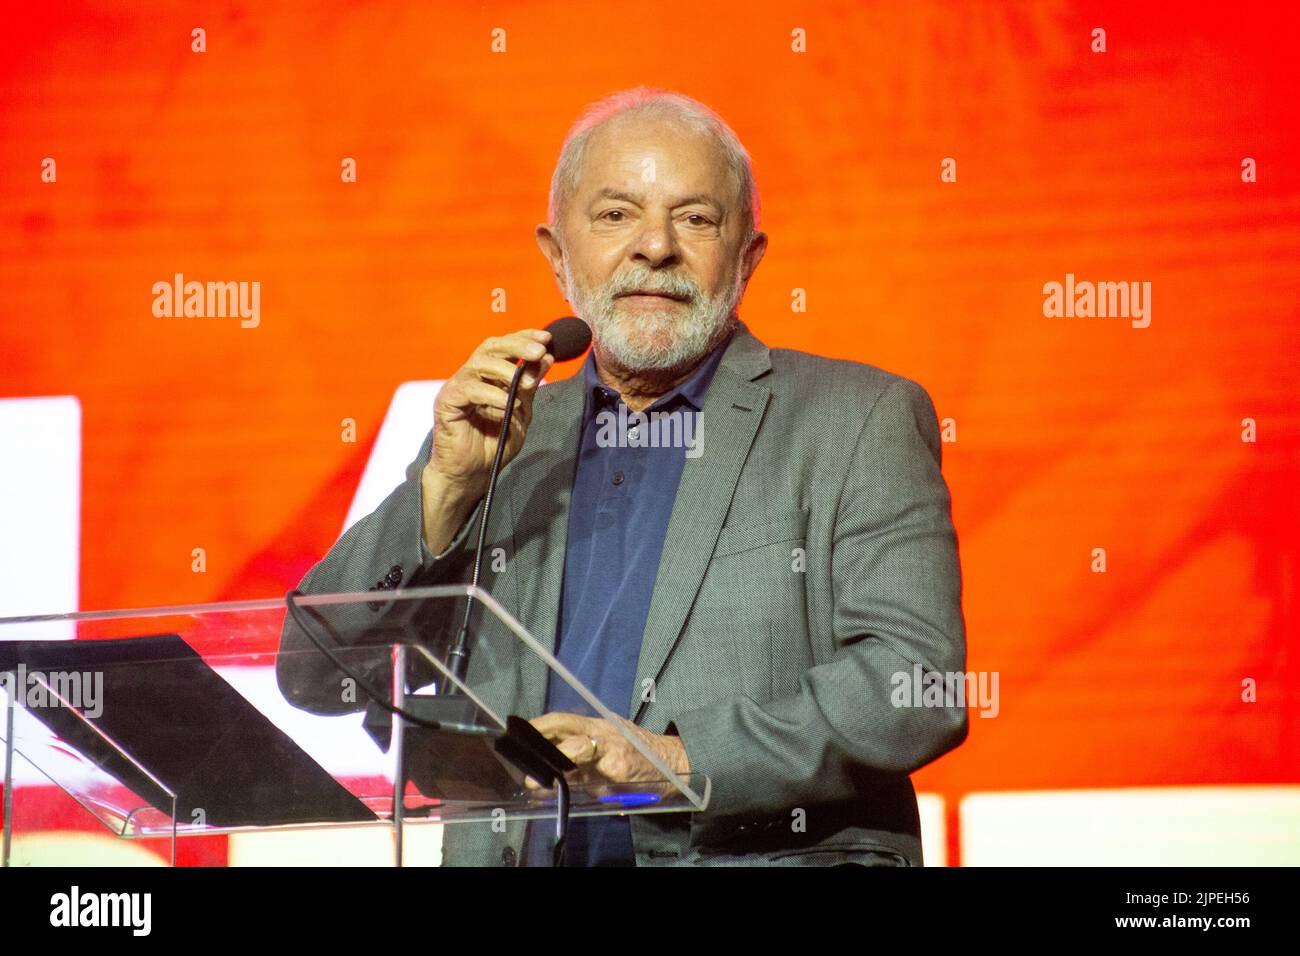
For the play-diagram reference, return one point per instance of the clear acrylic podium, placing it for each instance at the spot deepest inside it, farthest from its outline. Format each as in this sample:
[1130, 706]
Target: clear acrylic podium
[171, 722]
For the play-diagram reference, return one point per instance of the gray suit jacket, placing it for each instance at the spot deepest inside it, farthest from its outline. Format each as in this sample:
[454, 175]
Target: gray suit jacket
[810, 557]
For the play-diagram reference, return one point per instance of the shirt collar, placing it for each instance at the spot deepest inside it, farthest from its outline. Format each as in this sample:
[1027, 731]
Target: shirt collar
[692, 390]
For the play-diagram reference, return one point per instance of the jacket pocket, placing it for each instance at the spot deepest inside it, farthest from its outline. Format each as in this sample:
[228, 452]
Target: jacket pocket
[737, 539]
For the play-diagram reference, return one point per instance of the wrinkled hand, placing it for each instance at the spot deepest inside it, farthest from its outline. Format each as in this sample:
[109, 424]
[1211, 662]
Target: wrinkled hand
[602, 752]
[468, 412]
[466, 424]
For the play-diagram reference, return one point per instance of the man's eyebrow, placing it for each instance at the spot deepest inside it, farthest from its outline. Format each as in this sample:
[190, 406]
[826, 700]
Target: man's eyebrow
[699, 199]
[608, 193]
[703, 199]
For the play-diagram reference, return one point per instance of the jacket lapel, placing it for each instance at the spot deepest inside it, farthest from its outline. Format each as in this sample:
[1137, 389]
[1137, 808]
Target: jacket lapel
[733, 408]
[540, 485]
[539, 492]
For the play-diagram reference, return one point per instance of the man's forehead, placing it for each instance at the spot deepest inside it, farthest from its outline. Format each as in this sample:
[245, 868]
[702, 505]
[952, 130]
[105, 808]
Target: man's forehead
[632, 158]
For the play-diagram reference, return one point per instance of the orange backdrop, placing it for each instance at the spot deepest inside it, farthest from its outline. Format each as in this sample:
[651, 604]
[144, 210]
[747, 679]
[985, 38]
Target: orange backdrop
[1071, 433]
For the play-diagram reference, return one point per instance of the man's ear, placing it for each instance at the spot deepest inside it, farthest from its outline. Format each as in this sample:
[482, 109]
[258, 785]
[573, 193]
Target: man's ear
[549, 243]
[753, 254]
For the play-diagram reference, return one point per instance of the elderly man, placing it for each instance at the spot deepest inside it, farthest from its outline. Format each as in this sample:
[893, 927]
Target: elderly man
[768, 579]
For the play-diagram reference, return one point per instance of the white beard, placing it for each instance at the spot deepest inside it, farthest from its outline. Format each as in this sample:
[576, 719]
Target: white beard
[663, 339]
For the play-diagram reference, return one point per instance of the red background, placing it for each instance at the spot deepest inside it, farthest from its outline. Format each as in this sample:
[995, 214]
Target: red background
[1072, 434]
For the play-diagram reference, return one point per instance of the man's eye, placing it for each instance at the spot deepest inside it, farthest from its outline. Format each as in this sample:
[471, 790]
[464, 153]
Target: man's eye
[695, 219]
[609, 216]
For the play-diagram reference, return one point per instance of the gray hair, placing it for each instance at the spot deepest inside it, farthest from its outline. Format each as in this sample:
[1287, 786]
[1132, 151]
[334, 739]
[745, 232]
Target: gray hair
[661, 104]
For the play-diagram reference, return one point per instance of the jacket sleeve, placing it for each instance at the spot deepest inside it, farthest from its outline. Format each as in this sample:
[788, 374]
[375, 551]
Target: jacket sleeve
[897, 606]
[383, 551]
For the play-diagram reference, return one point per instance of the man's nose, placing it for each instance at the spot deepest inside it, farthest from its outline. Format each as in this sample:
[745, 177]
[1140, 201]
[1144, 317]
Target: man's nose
[655, 243]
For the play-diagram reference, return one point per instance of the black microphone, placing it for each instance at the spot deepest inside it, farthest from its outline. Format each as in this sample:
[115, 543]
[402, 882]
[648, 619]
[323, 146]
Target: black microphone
[570, 337]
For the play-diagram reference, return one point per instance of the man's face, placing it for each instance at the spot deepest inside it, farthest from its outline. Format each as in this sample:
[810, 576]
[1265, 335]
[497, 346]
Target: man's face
[654, 248]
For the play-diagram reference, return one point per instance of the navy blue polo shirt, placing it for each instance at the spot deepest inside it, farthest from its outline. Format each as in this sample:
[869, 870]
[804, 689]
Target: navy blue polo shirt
[624, 488]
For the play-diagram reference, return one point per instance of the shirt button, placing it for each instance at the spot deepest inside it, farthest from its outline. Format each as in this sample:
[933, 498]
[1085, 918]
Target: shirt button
[618, 477]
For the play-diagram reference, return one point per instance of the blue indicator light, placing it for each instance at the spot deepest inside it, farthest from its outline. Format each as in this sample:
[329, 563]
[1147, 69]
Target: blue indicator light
[630, 799]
